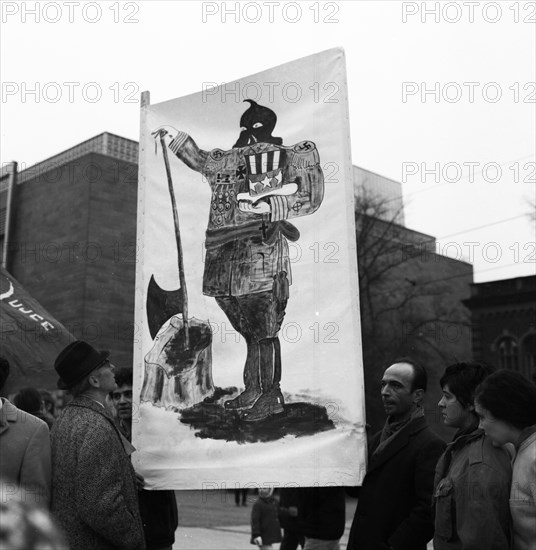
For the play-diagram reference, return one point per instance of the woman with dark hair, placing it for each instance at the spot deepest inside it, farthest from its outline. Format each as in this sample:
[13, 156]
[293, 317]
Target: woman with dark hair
[472, 481]
[506, 405]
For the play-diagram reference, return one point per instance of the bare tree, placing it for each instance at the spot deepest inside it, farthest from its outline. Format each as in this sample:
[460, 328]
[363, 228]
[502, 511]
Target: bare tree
[410, 298]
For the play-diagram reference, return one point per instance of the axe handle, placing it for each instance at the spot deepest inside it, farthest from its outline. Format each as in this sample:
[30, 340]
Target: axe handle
[182, 278]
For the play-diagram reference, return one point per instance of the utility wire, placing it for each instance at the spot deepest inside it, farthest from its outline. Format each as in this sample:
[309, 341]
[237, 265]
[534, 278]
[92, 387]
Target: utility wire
[461, 180]
[481, 226]
[450, 277]
[435, 239]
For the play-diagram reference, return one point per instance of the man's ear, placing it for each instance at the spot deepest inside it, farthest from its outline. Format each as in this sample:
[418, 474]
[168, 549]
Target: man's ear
[418, 396]
[94, 381]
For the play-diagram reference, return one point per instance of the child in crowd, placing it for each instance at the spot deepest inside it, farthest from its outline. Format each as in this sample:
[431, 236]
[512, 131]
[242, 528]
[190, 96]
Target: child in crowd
[265, 528]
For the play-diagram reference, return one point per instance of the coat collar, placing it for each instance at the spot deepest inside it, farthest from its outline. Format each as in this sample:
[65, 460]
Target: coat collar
[88, 403]
[472, 441]
[8, 413]
[464, 437]
[400, 440]
[525, 438]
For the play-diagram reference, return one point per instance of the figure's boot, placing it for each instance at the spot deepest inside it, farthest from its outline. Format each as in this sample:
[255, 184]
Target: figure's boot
[271, 401]
[252, 381]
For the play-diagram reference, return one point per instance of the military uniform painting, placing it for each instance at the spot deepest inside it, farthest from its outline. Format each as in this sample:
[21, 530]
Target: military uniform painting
[257, 187]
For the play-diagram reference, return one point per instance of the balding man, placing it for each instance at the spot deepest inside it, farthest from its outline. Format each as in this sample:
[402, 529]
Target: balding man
[394, 508]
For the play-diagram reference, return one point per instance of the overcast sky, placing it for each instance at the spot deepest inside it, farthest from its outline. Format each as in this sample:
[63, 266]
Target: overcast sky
[442, 95]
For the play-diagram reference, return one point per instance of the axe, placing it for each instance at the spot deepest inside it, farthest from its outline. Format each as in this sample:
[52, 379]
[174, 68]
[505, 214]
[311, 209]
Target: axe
[162, 304]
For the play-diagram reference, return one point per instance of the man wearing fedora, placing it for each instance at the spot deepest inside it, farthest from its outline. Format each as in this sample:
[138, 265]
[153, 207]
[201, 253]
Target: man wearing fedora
[94, 490]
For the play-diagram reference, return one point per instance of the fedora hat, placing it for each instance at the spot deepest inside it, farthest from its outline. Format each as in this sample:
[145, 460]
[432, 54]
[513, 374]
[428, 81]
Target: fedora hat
[76, 361]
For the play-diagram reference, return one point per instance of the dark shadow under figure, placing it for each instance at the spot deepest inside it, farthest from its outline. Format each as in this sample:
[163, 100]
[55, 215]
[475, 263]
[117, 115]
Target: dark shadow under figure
[211, 420]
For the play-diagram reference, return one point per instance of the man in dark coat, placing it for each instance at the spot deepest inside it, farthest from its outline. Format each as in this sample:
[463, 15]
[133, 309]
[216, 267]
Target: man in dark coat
[289, 502]
[94, 489]
[322, 515]
[394, 507]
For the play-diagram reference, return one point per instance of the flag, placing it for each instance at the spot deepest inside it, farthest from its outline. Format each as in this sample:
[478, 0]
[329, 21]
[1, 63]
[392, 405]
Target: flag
[30, 337]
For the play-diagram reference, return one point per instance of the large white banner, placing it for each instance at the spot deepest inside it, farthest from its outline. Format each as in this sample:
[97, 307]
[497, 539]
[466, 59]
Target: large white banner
[248, 353]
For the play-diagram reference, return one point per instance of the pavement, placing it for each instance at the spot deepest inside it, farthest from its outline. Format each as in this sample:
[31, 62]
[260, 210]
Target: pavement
[210, 520]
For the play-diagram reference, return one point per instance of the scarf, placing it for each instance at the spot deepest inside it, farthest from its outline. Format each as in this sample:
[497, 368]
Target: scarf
[391, 429]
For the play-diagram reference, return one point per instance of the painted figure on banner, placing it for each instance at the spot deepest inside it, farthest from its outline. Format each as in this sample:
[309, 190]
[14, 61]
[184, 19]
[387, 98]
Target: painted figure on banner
[257, 187]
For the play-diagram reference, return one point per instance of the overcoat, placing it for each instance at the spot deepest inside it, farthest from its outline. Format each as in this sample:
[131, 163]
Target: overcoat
[322, 512]
[24, 455]
[395, 502]
[265, 521]
[94, 494]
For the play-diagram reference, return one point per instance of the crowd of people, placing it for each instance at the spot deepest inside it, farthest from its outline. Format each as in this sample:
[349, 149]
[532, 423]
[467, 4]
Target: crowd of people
[478, 492]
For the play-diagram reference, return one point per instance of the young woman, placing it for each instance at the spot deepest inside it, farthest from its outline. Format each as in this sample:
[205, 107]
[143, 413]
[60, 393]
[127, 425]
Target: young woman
[506, 405]
[472, 481]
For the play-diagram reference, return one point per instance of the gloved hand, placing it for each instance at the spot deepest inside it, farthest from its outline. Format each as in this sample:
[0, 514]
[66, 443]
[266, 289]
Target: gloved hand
[260, 207]
[167, 131]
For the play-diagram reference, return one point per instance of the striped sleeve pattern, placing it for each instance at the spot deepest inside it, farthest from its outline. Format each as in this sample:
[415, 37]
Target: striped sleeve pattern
[178, 142]
[279, 208]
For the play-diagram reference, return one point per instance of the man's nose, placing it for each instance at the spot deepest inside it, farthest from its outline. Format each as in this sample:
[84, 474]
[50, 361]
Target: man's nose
[385, 390]
[122, 398]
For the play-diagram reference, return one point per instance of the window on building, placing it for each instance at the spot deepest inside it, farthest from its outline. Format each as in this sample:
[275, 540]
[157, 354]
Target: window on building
[508, 353]
[529, 356]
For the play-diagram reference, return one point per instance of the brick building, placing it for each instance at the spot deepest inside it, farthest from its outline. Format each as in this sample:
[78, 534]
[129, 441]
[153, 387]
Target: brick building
[72, 239]
[504, 323]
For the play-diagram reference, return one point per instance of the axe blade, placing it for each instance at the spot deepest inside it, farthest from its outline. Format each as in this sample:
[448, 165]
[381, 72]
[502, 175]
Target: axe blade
[161, 305]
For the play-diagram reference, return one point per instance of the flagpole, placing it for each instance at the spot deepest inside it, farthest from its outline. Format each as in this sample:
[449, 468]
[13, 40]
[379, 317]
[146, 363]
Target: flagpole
[11, 172]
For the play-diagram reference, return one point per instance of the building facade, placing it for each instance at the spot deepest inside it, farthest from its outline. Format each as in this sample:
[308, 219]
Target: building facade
[504, 323]
[370, 184]
[72, 239]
